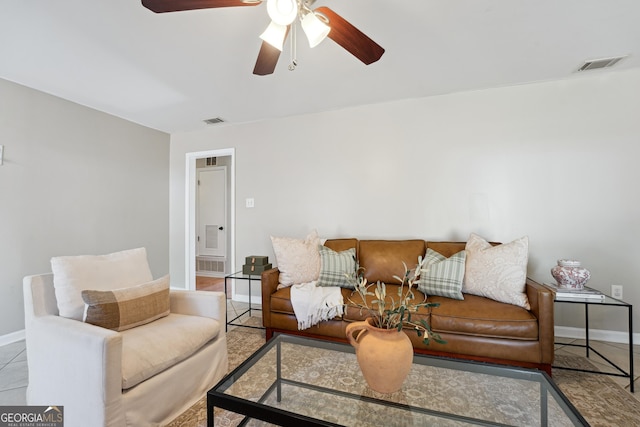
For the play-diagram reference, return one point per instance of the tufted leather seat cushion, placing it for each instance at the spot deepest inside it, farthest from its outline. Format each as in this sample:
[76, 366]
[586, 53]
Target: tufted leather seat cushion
[485, 317]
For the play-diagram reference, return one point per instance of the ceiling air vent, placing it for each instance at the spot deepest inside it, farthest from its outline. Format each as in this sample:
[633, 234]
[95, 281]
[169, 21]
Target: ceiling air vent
[594, 64]
[214, 121]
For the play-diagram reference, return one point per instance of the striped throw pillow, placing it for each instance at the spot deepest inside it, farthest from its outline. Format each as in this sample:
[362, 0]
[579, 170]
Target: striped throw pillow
[335, 265]
[127, 308]
[442, 276]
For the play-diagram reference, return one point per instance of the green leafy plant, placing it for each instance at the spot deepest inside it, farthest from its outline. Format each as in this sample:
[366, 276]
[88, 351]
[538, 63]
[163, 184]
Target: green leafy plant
[389, 312]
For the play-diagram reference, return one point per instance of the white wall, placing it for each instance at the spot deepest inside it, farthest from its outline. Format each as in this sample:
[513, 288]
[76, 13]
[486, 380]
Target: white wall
[554, 161]
[74, 181]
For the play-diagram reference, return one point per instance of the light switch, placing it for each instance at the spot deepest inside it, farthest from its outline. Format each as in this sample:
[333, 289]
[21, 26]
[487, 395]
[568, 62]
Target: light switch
[249, 202]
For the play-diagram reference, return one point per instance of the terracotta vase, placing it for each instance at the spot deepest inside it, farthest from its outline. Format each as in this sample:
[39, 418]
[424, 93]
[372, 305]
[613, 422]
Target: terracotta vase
[384, 355]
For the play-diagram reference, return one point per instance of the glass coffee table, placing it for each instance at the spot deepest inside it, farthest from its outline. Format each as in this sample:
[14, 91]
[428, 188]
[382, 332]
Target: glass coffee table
[296, 381]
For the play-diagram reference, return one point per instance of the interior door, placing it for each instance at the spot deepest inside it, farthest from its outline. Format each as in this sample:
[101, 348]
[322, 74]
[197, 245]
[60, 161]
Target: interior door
[212, 212]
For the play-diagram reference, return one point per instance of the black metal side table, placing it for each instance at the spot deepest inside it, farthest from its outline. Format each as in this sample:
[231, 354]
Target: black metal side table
[238, 275]
[611, 302]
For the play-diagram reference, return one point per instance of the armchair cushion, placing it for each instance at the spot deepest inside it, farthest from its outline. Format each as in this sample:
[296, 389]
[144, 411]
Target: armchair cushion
[127, 308]
[73, 274]
[154, 347]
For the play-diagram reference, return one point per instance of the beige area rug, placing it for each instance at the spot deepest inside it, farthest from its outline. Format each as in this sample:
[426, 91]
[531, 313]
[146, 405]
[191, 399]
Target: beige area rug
[601, 401]
[598, 398]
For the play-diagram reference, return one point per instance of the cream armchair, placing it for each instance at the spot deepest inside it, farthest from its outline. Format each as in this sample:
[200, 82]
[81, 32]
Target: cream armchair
[107, 378]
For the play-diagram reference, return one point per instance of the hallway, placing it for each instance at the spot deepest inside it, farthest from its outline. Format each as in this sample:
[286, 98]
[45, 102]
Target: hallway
[204, 283]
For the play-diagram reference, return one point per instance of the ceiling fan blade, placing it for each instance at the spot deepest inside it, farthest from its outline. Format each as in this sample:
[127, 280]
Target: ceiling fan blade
[267, 60]
[268, 57]
[349, 37]
[161, 6]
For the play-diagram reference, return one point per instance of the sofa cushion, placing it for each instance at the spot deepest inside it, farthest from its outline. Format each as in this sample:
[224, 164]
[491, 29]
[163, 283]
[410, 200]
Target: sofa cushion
[298, 259]
[442, 276]
[334, 267]
[340, 245]
[281, 301]
[447, 248]
[145, 351]
[127, 308]
[73, 274]
[497, 272]
[483, 317]
[381, 260]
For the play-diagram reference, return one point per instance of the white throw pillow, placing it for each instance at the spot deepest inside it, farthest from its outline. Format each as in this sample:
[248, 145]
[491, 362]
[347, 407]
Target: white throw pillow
[73, 274]
[497, 272]
[298, 259]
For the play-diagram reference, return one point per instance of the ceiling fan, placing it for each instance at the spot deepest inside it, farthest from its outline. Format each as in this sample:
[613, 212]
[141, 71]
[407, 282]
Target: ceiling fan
[317, 24]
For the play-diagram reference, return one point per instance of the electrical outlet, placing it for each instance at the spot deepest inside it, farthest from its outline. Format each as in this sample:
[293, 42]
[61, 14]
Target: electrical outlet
[249, 203]
[616, 291]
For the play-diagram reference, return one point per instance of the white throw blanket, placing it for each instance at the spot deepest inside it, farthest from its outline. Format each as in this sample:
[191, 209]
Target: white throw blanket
[313, 304]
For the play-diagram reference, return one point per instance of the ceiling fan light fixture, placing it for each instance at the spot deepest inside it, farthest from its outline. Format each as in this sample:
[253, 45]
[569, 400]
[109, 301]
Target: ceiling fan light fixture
[315, 29]
[275, 35]
[282, 12]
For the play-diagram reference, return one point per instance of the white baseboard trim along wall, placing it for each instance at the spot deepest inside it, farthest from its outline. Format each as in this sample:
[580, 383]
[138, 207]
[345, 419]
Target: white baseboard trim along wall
[596, 334]
[12, 337]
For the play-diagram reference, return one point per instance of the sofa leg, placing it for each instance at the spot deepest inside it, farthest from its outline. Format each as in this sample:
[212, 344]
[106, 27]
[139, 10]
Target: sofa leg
[269, 333]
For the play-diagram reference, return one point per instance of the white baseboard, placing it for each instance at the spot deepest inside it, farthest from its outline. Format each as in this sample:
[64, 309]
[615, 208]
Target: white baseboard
[596, 334]
[12, 337]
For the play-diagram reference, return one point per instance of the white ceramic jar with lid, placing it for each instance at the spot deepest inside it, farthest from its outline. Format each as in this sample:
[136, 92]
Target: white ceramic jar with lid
[569, 274]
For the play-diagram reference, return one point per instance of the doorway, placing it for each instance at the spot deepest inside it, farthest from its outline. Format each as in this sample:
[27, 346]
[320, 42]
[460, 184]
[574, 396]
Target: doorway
[210, 215]
[211, 218]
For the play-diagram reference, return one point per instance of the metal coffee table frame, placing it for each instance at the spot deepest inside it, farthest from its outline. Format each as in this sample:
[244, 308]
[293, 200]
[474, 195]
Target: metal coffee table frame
[216, 397]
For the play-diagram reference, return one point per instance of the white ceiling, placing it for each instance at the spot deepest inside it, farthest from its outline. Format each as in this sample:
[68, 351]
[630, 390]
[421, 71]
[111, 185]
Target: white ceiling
[171, 71]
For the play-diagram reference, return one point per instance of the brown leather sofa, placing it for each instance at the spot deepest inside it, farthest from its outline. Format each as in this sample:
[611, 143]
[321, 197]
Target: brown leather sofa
[476, 328]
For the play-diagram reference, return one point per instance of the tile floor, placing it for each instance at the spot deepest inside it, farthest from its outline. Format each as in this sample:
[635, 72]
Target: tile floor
[14, 376]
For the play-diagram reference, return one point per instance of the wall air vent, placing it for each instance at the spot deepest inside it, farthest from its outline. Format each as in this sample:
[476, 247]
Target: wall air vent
[595, 64]
[214, 121]
[207, 265]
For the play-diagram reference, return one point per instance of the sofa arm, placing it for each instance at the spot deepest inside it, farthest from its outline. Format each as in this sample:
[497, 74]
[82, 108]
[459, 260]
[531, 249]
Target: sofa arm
[79, 366]
[541, 302]
[270, 280]
[199, 303]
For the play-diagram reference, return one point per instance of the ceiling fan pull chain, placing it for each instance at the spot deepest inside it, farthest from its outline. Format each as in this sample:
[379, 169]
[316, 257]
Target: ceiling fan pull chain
[294, 62]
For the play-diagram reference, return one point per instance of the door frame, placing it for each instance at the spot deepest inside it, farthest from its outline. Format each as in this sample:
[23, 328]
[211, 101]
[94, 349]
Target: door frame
[191, 209]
